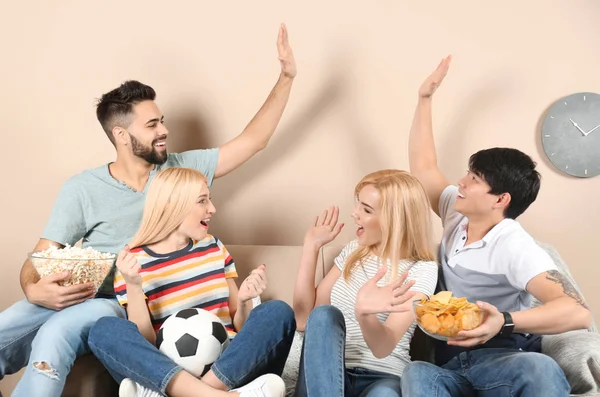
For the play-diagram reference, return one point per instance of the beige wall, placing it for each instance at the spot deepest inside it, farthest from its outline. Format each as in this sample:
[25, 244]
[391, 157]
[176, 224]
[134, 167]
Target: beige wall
[360, 64]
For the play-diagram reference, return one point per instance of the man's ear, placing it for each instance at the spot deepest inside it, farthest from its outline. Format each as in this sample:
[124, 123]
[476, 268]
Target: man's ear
[120, 135]
[503, 200]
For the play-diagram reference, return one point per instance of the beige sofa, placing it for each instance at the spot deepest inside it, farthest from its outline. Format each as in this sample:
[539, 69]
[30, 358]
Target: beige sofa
[89, 379]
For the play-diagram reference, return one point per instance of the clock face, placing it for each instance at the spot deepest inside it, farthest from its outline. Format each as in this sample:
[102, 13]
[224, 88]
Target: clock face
[571, 134]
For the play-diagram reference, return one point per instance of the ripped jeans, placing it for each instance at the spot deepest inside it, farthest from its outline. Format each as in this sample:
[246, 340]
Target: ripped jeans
[47, 342]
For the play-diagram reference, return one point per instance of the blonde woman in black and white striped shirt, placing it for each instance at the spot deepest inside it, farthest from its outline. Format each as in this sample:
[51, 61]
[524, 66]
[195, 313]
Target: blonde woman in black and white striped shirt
[358, 321]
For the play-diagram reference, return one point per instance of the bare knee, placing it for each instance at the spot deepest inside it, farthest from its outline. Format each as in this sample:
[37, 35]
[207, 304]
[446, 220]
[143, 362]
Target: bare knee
[46, 369]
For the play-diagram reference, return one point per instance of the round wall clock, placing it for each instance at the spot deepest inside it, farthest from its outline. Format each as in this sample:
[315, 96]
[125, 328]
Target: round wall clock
[571, 134]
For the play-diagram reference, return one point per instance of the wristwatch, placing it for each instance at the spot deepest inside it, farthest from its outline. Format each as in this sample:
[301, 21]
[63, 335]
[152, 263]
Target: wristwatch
[508, 326]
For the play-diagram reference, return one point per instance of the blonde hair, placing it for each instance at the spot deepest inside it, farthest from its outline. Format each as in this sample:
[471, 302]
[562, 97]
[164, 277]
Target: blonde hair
[405, 220]
[171, 196]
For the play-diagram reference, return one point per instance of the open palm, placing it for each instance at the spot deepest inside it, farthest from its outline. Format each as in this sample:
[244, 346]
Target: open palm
[393, 297]
[286, 55]
[325, 229]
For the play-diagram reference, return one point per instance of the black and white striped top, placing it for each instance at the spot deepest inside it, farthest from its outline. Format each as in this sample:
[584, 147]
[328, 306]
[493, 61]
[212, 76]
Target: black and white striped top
[343, 296]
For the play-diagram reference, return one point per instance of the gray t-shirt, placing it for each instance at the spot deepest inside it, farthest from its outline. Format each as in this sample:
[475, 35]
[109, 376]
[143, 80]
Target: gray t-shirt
[106, 214]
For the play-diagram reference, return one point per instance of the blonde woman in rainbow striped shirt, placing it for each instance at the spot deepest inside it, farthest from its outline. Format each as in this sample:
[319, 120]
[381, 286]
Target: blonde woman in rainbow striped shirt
[174, 264]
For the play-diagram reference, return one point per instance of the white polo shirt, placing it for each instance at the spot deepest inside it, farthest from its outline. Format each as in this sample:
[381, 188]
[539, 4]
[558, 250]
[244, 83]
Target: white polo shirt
[495, 269]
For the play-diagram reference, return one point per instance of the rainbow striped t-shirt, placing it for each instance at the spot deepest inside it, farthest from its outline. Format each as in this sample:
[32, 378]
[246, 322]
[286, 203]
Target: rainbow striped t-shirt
[194, 276]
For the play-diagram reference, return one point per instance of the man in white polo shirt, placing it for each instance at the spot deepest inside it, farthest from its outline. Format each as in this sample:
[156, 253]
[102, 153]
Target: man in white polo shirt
[486, 256]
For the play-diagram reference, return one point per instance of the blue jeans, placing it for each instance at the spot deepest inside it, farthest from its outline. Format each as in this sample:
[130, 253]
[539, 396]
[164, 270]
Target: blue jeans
[322, 363]
[261, 347]
[488, 373]
[31, 334]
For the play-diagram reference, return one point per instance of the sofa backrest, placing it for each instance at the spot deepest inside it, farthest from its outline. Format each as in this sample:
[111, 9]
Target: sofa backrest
[282, 266]
[329, 253]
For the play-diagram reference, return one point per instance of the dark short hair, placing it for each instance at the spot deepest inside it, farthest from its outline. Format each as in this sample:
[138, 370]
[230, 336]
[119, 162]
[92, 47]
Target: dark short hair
[116, 106]
[510, 171]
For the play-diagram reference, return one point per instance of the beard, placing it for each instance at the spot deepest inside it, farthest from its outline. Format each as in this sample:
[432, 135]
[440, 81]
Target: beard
[148, 153]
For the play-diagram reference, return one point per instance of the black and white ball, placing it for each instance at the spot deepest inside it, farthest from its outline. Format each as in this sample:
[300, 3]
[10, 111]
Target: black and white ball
[194, 339]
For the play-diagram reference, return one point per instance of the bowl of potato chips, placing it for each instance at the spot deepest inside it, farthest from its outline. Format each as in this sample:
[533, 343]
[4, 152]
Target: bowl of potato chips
[443, 316]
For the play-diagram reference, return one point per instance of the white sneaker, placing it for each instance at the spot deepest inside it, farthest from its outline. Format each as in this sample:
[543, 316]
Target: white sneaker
[129, 388]
[269, 385]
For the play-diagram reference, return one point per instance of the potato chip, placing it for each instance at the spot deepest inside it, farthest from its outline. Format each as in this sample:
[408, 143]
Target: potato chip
[442, 297]
[430, 322]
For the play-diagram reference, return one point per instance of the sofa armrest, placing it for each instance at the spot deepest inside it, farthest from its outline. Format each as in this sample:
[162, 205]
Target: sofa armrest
[578, 354]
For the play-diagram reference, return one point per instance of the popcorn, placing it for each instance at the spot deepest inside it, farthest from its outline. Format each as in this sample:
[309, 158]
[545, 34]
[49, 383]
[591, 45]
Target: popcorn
[86, 265]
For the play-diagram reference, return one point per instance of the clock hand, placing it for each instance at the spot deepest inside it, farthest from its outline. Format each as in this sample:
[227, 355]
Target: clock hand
[592, 130]
[577, 126]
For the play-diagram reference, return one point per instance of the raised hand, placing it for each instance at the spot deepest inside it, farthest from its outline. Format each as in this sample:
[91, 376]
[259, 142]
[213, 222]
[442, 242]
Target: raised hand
[394, 297]
[254, 285]
[129, 267]
[325, 229]
[435, 79]
[286, 56]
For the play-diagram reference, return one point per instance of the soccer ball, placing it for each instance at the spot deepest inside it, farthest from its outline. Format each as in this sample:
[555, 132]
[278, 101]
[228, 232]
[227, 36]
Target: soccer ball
[194, 339]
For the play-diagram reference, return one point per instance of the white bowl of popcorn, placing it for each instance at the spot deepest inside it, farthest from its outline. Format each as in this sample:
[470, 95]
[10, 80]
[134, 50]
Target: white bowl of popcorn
[86, 265]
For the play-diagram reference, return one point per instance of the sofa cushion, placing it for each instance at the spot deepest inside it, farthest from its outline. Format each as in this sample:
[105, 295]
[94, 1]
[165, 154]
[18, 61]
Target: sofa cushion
[89, 378]
[292, 365]
[578, 354]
